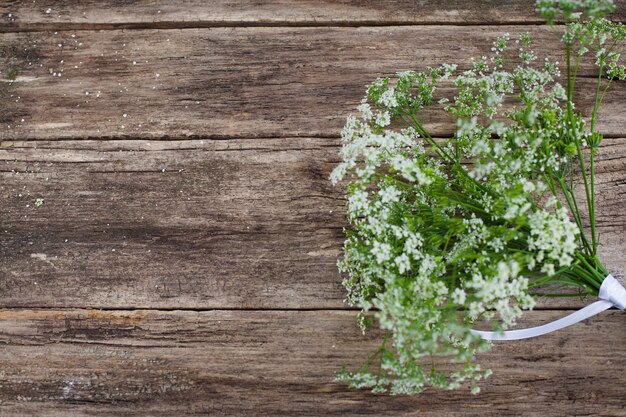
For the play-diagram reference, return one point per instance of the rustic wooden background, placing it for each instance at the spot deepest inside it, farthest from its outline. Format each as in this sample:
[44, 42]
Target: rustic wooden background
[183, 261]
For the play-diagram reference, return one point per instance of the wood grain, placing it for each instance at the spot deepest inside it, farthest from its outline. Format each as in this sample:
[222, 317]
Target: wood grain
[229, 224]
[231, 82]
[122, 363]
[90, 14]
[254, 219]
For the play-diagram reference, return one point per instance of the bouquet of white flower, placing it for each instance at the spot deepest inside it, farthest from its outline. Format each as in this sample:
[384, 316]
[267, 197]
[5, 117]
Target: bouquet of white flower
[449, 232]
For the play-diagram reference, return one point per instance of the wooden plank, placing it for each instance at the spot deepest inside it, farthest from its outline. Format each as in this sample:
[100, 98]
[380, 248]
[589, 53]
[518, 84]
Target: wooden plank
[105, 363]
[229, 224]
[230, 82]
[243, 223]
[59, 15]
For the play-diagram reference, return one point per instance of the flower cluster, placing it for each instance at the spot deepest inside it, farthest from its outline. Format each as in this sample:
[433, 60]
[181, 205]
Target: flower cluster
[447, 233]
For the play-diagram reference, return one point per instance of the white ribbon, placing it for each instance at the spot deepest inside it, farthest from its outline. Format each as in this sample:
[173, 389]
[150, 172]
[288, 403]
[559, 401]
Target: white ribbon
[612, 294]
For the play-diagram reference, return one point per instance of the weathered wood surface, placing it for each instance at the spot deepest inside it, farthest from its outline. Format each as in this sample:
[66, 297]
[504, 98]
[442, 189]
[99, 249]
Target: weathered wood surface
[231, 82]
[122, 363]
[196, 224]
[68, 14]
[184, 172]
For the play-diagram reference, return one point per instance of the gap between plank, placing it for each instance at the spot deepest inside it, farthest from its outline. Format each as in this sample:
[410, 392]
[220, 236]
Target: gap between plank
[212, 137]
[166, 25]
[242, 309]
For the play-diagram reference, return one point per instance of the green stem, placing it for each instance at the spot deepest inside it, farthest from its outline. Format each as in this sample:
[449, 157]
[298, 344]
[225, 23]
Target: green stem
[590, 269]
[568, 55]
[608, 84]
[575, 74]
[446, 156]
[592, 206]
[596, 102]
[573, 206]
[576, 138]
[590, 200]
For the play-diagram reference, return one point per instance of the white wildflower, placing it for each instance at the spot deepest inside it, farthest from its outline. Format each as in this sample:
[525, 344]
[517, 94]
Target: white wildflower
[403, 262]
[383, 119]
[382, 252]
[389, 194]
